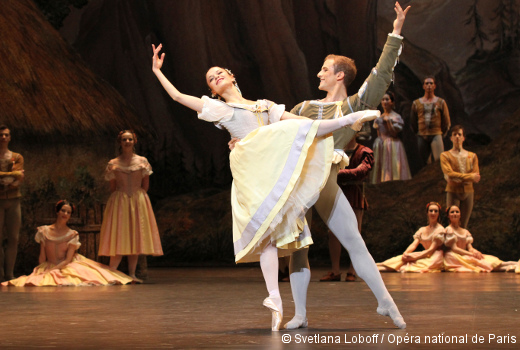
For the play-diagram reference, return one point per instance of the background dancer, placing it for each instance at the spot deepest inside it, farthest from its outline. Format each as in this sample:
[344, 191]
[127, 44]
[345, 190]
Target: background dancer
[431, 237]
[60, 264]
[390, 156]
[430, 120]
[461, 171]
[129, 227]
[11, 176]
[462, 256]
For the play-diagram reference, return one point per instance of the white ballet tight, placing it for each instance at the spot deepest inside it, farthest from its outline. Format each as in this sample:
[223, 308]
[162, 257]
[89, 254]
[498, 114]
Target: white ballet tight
[337, 213]
[269, 256]
[269, 266]
[330, 125]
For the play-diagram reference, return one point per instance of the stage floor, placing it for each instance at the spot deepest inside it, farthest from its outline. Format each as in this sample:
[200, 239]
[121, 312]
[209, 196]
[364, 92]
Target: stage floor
[221, 308]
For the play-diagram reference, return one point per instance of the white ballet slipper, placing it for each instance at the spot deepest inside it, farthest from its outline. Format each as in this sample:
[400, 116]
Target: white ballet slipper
[297, 322]
[394, 314]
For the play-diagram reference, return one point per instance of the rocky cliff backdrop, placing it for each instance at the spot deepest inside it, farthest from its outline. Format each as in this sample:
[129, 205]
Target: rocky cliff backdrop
[76, 72]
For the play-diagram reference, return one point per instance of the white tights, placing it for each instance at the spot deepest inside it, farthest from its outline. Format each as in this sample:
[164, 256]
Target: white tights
[337, 213]
[269, 256]
[329, 125]
[269, 266]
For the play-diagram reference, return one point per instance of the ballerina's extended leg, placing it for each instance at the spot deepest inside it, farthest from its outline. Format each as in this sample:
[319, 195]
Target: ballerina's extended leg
[330, 125]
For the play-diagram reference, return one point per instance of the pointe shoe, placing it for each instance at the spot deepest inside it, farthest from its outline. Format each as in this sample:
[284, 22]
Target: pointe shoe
[394, 314]
[297, 322]
[276, 320]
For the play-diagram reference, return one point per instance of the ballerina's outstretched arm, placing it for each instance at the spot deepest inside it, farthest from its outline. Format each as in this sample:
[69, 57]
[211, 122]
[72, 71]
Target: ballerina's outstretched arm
[192, 102]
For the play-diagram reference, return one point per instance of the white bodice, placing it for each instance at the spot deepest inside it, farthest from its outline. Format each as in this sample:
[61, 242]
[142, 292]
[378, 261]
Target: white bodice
[240, 119]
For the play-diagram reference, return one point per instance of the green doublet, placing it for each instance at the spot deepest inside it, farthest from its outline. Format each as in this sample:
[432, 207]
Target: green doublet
[368, 97]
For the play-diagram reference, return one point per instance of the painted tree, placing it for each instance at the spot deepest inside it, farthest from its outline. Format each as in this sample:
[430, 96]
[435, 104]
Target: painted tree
[474, 18]
[508, 26]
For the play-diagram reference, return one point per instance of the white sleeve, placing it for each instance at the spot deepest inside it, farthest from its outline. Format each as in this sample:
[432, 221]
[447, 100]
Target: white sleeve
[215, 111]
[274, 111]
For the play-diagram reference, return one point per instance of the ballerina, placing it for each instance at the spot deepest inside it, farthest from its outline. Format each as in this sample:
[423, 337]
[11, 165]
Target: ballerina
[279, 167]
[60, 263]
[431, 237]
[389, 153]
[462, 256]
[129, 227]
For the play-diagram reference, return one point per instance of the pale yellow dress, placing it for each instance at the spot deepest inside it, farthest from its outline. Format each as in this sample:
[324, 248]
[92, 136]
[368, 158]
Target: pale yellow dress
[433, 263]
[278, 167]
[81, 271]
[454, 262]
[129, 226]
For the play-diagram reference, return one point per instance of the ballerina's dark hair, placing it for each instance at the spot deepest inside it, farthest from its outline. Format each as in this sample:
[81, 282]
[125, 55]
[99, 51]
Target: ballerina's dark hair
[449, 208]
[63, 202]
[438, 206]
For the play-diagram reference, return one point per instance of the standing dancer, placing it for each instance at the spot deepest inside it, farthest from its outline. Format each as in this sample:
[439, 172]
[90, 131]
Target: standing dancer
[460, 168]
[430, 120]
[129, 227]
[278, 170]
[390, 156]
[335, 76]
[11, 176]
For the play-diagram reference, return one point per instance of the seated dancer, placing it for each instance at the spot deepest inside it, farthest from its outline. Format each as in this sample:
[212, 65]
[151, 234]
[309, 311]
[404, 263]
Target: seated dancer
[60, 264]
[278, 169]
[461, 256]
[431, 237]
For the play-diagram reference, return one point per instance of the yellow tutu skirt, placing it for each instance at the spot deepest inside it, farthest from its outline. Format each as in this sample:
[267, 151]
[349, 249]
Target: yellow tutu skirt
[278, 172]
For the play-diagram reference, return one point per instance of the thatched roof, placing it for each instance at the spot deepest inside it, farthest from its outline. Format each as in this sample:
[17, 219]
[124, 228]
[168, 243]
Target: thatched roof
[46, 89]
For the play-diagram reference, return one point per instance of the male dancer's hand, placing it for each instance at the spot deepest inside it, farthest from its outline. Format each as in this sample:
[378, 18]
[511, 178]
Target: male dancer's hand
[399, 20]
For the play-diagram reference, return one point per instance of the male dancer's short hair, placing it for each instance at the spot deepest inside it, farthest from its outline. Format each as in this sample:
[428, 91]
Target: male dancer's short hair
[429, 77]
[456, 128]
[345, 65]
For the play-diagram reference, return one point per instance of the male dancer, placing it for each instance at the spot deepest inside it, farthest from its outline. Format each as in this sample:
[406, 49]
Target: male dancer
[335, 76]
[460, 168]
[430, 120]
[11, 175]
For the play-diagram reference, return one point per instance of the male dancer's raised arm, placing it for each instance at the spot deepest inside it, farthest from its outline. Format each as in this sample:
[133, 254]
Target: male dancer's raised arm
[335, 76]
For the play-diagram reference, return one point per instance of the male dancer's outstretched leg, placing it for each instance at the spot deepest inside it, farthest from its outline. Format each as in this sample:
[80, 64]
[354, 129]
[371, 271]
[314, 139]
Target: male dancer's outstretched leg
[336, 212]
